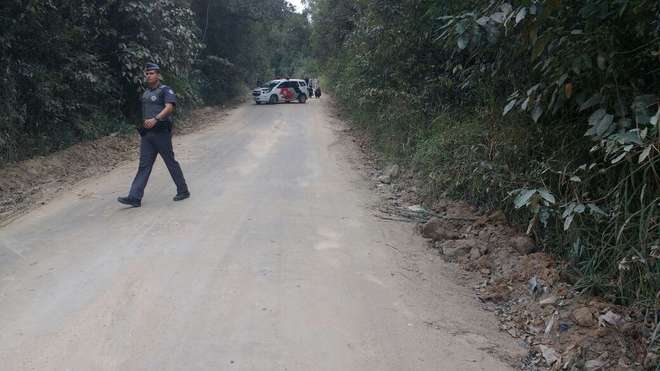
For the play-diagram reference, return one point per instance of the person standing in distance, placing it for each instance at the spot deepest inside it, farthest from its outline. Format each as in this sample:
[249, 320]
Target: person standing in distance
[158, 103]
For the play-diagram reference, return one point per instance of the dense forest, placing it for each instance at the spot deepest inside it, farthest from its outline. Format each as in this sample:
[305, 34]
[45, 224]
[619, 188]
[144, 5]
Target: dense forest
[72, 69]
[547, 109]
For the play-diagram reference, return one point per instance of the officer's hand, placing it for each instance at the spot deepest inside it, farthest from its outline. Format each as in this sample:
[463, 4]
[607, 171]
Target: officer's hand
[150, 123]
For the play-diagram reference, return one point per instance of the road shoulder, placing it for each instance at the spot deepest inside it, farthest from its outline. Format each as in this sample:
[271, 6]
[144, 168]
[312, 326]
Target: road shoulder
[424, 275]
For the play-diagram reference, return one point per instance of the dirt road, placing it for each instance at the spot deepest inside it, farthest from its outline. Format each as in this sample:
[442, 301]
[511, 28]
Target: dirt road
[275, 263]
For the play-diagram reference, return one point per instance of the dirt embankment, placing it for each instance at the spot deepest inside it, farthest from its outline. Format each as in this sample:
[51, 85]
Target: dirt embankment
[33, 182]
[529, 290]
[535, 300]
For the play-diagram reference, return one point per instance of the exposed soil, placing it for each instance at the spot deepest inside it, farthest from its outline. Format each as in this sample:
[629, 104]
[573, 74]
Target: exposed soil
[33, 182]
[527, 289]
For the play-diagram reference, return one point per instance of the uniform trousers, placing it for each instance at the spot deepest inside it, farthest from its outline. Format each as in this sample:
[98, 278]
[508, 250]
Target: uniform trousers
[154, 143]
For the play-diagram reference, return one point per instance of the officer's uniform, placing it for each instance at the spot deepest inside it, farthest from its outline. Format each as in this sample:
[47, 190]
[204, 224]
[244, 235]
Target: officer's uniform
[157, 140]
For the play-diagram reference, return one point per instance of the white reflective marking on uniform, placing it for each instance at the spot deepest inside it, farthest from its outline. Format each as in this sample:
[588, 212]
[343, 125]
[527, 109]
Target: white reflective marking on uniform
[171, 91]
[153, 98]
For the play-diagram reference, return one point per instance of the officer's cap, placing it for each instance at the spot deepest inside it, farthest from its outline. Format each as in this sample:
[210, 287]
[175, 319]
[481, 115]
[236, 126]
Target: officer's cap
[151, 67]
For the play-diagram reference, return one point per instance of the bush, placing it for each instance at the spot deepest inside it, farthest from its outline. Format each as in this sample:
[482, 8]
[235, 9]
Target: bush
[72, 70]
[546, 109]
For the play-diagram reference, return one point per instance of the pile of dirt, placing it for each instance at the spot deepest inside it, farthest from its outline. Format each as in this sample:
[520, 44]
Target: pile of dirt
[534, 303]
[32, 182]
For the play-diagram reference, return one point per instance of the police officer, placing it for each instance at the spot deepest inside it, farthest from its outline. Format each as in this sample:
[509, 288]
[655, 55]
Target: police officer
[158, 103]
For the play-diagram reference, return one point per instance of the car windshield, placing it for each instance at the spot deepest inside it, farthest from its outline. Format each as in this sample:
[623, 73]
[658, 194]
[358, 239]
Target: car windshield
[271, 85]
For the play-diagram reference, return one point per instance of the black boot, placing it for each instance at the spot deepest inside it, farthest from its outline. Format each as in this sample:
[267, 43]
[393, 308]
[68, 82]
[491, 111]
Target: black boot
[181, 196]
[130, 201]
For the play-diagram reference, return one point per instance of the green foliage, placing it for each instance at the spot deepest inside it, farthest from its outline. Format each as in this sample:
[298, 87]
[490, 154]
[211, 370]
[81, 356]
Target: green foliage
[546, 109]
[248, 41]
[72, 67]
[72, 70]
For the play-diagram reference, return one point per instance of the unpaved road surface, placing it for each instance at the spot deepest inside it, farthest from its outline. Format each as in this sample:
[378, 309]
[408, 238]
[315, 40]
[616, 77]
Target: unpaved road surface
[276, 263]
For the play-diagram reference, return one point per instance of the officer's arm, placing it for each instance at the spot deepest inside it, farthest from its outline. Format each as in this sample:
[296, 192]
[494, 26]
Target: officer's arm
[166, 112]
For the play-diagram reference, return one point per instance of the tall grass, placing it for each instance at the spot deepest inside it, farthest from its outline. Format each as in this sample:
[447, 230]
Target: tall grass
[475, 155]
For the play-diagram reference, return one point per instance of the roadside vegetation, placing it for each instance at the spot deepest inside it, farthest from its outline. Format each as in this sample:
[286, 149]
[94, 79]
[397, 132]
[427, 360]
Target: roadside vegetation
[545, 109]
[72, 70]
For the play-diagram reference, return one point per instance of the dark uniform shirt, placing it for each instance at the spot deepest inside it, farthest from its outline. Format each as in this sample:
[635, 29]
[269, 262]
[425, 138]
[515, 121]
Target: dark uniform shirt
[153, 102]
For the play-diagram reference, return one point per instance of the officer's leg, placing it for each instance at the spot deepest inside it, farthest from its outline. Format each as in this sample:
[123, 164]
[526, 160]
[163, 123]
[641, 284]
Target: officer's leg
[148, 152]
[164, 146]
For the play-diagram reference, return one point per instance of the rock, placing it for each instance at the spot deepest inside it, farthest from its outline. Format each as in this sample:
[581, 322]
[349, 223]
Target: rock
[455, 248]
[534, 330]
[598, 304]
[551, 356]
[523, 244]
[439, 229]
[417, 209]
[534, 286]
[468, 243]
[497, 293]
[484, 263]
[584, 317]
[610, 318]
[392, 171]
[475, 253]
[453, 252]
[485, 234]
[551, 323]
[601, 331]
[548, 300]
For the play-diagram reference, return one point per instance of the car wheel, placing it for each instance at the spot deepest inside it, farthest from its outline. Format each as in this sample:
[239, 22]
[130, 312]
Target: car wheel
[302, 98]
[272, 99]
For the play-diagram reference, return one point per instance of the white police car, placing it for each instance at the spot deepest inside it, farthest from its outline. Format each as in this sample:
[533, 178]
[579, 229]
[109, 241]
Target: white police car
[286, 90]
